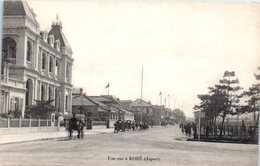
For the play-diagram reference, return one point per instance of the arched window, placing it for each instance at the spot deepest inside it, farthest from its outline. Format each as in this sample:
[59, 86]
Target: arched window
[43, 61]
[9, 48]
[50, 65]
[29, 51]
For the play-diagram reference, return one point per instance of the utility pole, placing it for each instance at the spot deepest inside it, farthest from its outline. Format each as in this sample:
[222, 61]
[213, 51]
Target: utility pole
[142, 96]
[169, 101]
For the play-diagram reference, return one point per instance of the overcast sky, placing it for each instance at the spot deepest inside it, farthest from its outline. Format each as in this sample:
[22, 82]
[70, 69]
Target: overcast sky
[183, 47]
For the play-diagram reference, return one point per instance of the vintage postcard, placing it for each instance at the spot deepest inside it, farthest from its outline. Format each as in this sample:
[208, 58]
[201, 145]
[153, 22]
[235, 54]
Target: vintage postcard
[129, 82]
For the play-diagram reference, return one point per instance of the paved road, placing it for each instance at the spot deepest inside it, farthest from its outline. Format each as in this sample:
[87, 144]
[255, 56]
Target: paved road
[160, 146]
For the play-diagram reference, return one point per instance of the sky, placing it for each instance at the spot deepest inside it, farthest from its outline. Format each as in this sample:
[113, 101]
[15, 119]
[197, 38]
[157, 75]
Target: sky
[183, 47]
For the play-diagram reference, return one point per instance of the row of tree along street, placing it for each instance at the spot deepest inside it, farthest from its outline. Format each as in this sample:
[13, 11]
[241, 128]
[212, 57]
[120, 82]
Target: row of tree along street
[223, 109]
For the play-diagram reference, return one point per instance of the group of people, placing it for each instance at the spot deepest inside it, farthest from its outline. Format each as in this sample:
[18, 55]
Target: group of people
[187, 127]
[120, 125]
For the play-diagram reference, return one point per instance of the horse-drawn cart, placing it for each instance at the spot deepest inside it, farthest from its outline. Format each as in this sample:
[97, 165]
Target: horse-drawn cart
[75, 122]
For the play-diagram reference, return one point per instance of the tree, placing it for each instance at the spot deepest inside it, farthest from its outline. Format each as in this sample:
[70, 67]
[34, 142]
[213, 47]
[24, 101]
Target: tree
[253, 94]
[205, 106]
[221, 100]
[228, 90]
[212, 104]
[41, 109]
[180, 115]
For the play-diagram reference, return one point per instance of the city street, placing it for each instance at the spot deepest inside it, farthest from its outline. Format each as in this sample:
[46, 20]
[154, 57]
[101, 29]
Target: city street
[155, 146]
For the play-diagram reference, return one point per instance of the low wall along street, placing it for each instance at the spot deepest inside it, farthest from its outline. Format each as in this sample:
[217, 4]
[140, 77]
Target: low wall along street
[21, 125]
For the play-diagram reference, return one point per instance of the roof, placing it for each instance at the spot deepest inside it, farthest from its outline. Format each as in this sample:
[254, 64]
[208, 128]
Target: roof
[56, 31]
[126, 103]
[100, 109]
[114, 109]
[82, 100]
[18, 8]
[121, 108]
[139, 102]
[128, 113]
[87, 101]
[97, 102]
[101, 98]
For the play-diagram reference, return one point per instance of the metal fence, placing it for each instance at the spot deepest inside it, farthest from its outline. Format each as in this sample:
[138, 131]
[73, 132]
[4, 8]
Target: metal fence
[230, 132]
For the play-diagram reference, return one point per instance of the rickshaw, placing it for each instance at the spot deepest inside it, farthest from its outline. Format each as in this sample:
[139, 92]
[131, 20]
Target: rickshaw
[76, 122]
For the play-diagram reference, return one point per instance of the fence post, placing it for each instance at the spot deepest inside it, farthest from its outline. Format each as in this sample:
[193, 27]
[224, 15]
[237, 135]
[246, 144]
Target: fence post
[58, 121]
[228, 129]
[47, 120]
[240, 127]
[30, 122]
[232, 132]
[20, 122]
[39, 122]
[199, 129]
[224, 130]
[8, 122]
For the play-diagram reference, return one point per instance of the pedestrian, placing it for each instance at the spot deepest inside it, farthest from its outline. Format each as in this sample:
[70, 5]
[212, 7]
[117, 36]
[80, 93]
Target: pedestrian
[183, 129]
[189, 129]
[136, 125]
[243, 128]
[128, 125]
[194, 128]
[251, 132]
[133, 125]
[116, 127]
[151, 123]
[120, 125]
[181, 125]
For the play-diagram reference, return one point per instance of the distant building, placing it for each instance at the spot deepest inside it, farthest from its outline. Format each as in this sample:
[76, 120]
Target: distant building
[115, 106]
[157, 114]
[82, 104]
[36, 65]
[142, 110]
[151, 114]
[127, 115]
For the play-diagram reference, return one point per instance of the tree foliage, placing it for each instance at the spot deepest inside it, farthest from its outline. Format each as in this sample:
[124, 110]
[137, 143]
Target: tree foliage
[253, 94]
[180, 115]
[41, 109]
[222, 99]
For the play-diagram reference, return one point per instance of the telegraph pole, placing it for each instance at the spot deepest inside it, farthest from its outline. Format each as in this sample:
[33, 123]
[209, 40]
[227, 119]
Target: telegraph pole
[142, 95]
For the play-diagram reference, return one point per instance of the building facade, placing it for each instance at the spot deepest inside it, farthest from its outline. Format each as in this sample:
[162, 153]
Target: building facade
[36, 65]
[143, 111]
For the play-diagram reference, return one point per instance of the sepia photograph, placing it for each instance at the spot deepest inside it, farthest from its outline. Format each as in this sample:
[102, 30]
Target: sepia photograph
[129, 82]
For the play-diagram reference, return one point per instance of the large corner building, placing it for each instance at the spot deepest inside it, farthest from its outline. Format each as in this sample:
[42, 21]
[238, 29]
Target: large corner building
[36, 65]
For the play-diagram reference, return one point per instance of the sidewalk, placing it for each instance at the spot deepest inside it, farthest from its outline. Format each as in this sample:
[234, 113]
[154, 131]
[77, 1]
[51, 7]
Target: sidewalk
[12, 138]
